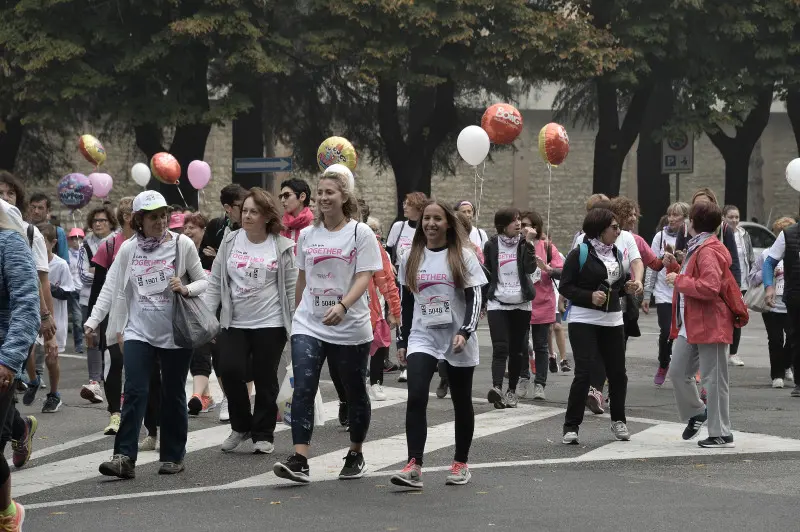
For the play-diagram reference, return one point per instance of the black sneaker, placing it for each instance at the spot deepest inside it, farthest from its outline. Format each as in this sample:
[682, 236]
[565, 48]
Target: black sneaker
[694, 425]
[293, 468]
[795, 392]
[553, 365]
[195, 405]
[354, 466]
[495, 396]
[52, 403]
[119, 466]
[30, 394]
[441, 390]
[565, 367]
[343, 419]
[171, 468]
[719, 442]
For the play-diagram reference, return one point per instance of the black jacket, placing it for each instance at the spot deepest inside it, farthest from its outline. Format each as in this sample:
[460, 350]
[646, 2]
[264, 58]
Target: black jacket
[526, 265]
[727, 238]
[215, 231]
[577, 284]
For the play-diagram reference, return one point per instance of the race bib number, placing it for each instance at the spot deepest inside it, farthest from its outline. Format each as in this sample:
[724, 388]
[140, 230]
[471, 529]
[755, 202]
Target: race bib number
[436, 315]
[152, 283]
[322, 300]
[779, 282]
[613, 272]
[255, 277]
[536, 276]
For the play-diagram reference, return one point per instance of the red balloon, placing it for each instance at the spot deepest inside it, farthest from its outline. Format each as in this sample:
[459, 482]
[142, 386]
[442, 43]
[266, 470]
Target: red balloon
[165, 168]
[553, 143]
[502, 122]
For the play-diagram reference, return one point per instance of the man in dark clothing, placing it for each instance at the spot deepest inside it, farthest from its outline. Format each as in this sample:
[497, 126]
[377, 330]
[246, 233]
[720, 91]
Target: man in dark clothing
[231, 197]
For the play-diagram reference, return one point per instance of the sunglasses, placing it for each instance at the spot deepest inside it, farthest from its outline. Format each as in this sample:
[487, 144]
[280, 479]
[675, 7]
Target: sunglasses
[287, 195]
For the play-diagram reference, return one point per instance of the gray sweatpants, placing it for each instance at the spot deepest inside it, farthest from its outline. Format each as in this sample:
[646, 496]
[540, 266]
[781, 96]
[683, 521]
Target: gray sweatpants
[712, 361]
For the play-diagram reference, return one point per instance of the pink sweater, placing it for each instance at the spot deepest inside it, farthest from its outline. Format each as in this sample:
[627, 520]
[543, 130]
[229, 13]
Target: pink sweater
[543, 309]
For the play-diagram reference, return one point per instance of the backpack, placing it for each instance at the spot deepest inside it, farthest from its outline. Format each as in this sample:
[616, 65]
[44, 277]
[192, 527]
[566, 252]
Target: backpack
[583, 254]
[731, 294]
[393, 247]
[30, 235]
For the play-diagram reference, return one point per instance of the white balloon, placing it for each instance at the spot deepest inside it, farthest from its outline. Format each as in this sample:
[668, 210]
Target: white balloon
[342, 169]
[141, 174]
[793, 174]
[473, 145]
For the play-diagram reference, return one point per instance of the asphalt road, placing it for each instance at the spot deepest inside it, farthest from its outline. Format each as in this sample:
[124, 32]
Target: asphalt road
[523, 477]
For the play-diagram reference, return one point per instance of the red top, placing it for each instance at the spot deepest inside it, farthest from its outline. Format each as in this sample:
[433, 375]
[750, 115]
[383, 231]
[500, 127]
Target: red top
[101, 258]
[383, 280]
[649, 258]
[543, 308]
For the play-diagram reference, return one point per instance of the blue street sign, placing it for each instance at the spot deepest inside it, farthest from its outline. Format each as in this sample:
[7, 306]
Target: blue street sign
[262, 165]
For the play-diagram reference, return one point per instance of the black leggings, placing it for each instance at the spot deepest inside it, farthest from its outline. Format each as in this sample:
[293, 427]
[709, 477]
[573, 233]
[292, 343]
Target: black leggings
[508, 329]
[421, 368]
[664, 313]
[737, 335]
[376, 366]
[6, 408]
[113, 382]
[779, 342]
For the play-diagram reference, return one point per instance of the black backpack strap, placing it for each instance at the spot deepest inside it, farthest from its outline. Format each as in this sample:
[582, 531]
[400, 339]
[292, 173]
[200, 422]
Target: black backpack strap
[89, 254]
[30, 235]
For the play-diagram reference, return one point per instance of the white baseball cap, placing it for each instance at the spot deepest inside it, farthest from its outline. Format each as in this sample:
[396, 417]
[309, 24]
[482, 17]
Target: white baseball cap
[149, 200]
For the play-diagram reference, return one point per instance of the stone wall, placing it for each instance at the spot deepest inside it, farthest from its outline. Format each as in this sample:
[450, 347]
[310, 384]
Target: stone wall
[509, 177]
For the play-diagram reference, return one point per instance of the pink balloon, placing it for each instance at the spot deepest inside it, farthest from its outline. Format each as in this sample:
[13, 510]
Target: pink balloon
[101, 183]
[199, 173]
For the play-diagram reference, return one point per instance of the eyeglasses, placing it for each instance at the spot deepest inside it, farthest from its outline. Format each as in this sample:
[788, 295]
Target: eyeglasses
[615, 227]
[236, 206]
[523, 224]
[287, 195]
[100, 221]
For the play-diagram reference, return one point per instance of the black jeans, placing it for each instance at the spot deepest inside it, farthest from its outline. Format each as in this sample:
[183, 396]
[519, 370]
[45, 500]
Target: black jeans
[113, 382]
[308, 357]
[779, 342]
[421, 367]
[252, 354]
[376, 366]
[540, 333]
[794, 327]
[201, 361]
[507, 329]
[152, 412]
[590, 342]
[664, 314]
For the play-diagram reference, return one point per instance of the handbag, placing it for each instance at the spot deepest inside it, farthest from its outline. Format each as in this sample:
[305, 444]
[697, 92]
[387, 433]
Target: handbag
[756, 299]
[193, 325]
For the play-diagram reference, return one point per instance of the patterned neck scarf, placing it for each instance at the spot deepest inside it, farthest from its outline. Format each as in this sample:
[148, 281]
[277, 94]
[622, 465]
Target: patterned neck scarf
[603, 250]
[150, 243]
[695, 242]
[670, 231]
[509, 241]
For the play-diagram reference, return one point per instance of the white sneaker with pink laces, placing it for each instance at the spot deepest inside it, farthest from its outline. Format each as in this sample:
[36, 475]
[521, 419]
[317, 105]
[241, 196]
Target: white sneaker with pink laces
[459, 474]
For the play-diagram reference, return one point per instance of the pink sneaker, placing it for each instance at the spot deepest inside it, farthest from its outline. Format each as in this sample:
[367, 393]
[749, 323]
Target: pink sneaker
[661, 376]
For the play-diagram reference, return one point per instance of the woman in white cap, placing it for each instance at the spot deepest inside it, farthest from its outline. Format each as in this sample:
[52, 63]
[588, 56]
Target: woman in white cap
[137, 297]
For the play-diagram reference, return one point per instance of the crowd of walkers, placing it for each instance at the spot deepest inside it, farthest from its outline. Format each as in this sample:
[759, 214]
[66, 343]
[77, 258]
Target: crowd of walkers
[311, 270]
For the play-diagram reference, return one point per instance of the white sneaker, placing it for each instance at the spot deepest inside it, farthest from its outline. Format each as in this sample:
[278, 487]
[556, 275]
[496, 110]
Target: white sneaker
[777, 383]
[570, 438]
[149, 443]
[224, 416]
[538, 392]
[788, 375]
[263, 447]
[91, 392]
[377, 393]
[403, 377]
[234, 440]
[522, 387]
[735, 360]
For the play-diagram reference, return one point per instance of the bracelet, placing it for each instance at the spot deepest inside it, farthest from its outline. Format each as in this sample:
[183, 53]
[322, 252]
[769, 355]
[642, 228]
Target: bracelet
[345, 308]
[45, 317]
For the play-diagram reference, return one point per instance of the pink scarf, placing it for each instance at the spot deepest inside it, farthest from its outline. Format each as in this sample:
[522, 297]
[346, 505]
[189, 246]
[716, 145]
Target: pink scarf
[294, 224]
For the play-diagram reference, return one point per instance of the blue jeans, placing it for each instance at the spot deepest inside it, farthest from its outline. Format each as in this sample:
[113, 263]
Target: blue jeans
[308, 357]
[139, 360]
[76, 318]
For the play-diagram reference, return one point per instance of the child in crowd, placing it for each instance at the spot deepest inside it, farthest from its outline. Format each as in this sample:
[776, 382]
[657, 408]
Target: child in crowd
[74, 243]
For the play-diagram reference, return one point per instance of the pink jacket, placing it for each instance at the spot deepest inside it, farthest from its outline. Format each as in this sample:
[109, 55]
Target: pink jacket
[543, 308]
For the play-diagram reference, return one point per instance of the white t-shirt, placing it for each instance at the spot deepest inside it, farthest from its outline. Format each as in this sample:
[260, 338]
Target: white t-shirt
[478, 237]
[61, 277]
[662, 290]
[253, 273]
[400, 237]
[330, 261]
[150, 312]
[626, 245]
[439, 308]
[508, 289]
[39, 247]
[74, 269]
[778, 249]
[592, 316]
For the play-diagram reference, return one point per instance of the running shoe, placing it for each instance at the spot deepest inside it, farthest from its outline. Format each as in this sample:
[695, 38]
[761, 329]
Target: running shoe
[224, 415]
[293, 468]
[51, 403]
[735, 360]
[594, 401]
[409, 477]
[343, 418]
[119, 466]
[459, 474]
[171, 468]
[441, 390]
[91, 392]
[42, 384]
[694, 425]
[620, 431]
[377, 393]
[522, 387]
[30, 394]
[354, 466]
[718, 442]
[113, 424]
[538, 392]
[661, 376]
[495, 397]
[553, 365]
[149, 443]
[23, 448]
[777, 383]
[208, 404]
[570, 438]
[403, 377]
[788, 375]
[13, 523]
[511, 399]
[233, 441]
[565, 367]
[796, 391]
[263, 447]
[389, 367]
[195, 405]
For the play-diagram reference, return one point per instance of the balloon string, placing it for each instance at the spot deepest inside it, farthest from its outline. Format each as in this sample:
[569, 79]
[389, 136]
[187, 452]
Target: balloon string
[475, 194]
[177, 184]
[74, 223]
[549, 181]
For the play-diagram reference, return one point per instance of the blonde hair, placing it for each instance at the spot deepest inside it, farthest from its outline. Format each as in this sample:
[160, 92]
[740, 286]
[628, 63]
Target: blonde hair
[782, 223]
[679, 207]
[350, 207]
[374, 224]
[594, 199]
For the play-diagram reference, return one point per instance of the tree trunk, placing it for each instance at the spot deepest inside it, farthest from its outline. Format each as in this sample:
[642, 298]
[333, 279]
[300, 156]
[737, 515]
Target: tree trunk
[755, 193]
[248, 137]
[793, 111]
[654, 190]
[10, 141]
[736, 150]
